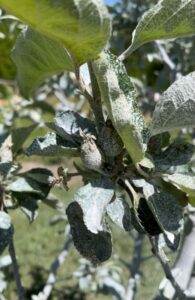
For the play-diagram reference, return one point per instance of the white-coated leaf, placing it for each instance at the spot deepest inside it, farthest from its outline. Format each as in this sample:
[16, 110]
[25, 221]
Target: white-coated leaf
[120, 213]
[37, 57]
[6, 230]
[5, 220]
[95, 247]
[82, 26]
[176, 107]
[93, 198]
[167, 19]
[119, 96]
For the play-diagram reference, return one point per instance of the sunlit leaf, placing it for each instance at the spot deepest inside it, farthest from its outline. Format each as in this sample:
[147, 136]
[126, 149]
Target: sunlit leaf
[52, 145]
[119, 96]
[82, 26]
[176, 108]
[38, 57]
[166, 20]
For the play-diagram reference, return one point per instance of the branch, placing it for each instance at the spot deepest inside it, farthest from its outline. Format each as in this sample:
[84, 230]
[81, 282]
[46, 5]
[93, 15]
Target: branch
[83, 88]
[20, 290]
[159, 253]
[46, 292]
[184, 264]
[97, 104]
[134, 268]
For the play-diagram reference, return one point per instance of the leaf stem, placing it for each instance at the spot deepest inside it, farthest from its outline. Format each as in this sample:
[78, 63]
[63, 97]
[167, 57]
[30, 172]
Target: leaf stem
[20, 289]
[127, 53]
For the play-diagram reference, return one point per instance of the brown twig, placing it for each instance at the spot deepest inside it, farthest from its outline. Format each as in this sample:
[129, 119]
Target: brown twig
[46, 292]
[159, 253]
[20, 289]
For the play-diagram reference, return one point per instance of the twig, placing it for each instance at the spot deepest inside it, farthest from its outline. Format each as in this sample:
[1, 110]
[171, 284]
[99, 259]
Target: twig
[140, 171]
[159, 253]
[97, 104]
[46, 292]
[82, 85]
[165, 56]
[134, 268]
[7, 81]
[20, 290]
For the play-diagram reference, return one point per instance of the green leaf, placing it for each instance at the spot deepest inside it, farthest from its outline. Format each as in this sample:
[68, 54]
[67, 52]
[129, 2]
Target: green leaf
[185, 182]
[67, 125]
[119, 212]
[52, 145]
[20, 135]
[192, 201]
[166, 20]
[82, 26]
[176, 108]
[38, 57]
[119, 96]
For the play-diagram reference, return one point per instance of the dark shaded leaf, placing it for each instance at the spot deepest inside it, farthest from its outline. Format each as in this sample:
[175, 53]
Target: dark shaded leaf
[157, 142]
[179, 195]
[68, 123]
[177, 154]
[39, 174]
[52, 145]
[36, 182]
[147, 219]
[19, 136]
[95, 247]
[6, 168]
[165, 208]
[28, 204]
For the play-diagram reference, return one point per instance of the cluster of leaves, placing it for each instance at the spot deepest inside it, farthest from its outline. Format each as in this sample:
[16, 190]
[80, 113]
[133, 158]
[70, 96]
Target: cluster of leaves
[138, 176]
[19, 189]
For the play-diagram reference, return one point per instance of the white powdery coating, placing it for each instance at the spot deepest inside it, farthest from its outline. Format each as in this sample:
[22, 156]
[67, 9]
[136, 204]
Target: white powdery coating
[5, 220]
[176, 107]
